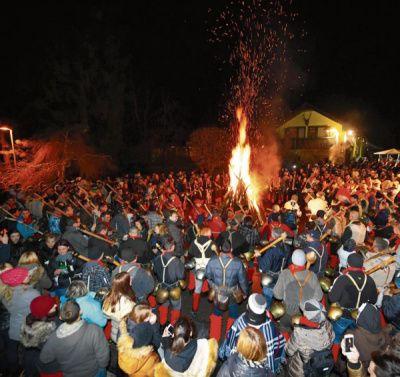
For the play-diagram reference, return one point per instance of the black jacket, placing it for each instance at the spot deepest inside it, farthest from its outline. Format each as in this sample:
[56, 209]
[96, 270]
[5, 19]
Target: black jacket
[345, 293]
[194, 250]
[237, 240]
[237, 366]
[174, 271]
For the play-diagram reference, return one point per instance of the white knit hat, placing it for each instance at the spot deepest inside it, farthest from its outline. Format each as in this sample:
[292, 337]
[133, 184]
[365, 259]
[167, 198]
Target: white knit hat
[257, 303]
[298, 257]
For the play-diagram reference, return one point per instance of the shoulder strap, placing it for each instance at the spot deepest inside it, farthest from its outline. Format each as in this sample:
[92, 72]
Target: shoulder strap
[359, 290]
[164, 266]
[303, 284]
[202, 248]
[224, 268]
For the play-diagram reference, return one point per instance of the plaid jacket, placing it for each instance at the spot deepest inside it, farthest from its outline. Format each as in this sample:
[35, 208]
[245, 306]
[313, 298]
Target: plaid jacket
[274, 339]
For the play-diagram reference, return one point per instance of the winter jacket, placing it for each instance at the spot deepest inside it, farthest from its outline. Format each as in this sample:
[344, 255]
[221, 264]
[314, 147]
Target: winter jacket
[235, 274]
[238, 366]
[368, 334]
[18, 307]
[287, 288]
[38, 277]
[80, 349]
[391, 310]
[202, 364]
[237, 240]
[274, 260]
[145, 333]
[90, 308]
[273, 338]
[303, 342]
[121, 310]
[5, 253]
[177, 235]
[71, 268]
[101, 245]
[345, 293]
[95, 276]
[173, 272]
[78, 241]
[135, 361]
[36, 335]
[153, 219]
[142, 281]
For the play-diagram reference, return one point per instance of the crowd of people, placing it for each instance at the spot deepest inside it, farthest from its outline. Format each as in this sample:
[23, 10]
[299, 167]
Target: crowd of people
[93, 275]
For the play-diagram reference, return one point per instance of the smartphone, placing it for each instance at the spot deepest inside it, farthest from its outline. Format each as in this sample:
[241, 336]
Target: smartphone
[170, 329]
[348, 342]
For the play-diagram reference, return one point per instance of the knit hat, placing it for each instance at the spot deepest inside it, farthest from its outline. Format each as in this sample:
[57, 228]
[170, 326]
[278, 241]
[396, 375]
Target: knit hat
[257, 303]
[355, 260]
[349, 245]
[41, 306]
[298, 257]
[313, 310]
[94, 252]
[15, 276]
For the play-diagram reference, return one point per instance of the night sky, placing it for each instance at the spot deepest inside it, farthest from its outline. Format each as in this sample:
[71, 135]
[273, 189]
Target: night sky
[350, 66]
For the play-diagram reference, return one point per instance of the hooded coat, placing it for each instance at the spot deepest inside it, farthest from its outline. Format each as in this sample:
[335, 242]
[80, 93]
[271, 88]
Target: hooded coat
[200, 363]
[369, 335]
[238, 366]
[303, 342]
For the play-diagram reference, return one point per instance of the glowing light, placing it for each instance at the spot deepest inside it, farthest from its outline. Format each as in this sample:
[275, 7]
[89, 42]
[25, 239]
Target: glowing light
[334, 133]
[239, 166]
[5, 128]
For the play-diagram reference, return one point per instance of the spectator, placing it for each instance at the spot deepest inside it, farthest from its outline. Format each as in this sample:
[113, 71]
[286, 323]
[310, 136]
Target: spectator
[80, 349]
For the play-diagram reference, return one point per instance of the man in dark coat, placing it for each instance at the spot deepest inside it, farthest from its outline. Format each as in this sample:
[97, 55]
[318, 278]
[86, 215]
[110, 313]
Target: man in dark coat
[176, 233]
[139, 247]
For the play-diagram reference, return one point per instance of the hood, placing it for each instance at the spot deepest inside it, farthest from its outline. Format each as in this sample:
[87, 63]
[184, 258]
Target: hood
[369, 318]
[181, 361]
[66, 330]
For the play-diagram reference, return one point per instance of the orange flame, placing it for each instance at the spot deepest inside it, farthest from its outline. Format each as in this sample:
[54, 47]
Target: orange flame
[239, 165]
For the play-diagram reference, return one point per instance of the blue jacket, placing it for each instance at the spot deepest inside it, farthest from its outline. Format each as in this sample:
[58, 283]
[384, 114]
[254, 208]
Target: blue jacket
[235, 273]
[274, 260]
[26, 231]
[90, 308]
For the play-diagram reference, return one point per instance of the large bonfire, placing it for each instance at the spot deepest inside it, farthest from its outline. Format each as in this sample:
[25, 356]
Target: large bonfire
[242, 187]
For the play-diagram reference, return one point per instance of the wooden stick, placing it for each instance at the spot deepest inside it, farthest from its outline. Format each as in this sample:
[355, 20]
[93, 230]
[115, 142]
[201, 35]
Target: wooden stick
[27, 225]
[209, 212]
[95, 235]
[273, 243]
[381, 265]
[51, 205]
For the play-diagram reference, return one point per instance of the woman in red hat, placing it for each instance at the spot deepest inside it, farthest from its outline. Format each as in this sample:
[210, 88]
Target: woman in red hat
[38, 325]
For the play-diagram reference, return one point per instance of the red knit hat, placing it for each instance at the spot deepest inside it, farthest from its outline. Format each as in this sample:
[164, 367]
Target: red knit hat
[15, 276]
[40, 306]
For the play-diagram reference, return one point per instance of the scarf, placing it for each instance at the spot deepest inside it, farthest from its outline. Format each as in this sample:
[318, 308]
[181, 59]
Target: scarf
[349, 269]
[293, 268]
[307, 323]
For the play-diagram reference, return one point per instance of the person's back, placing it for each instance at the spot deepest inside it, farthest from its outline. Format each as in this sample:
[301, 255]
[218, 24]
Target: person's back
[80, 349]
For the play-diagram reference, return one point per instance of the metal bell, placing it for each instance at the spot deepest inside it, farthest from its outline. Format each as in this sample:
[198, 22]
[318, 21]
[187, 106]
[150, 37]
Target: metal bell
[325, 283]
[296, 319]
[162, 295]
[329, 272]
[266, 280]
[277, 309]
[354, 314]
[311, 257]
[175, 293]
[182, 283]
[190, 265]
[211, 295]
[200, 273]
[335, 312]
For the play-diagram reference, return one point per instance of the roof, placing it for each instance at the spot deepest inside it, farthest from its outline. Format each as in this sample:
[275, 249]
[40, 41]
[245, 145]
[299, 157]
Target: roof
[388, 151]
[311, 117]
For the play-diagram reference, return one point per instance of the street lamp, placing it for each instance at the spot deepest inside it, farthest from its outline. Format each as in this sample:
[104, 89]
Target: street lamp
[10, 131]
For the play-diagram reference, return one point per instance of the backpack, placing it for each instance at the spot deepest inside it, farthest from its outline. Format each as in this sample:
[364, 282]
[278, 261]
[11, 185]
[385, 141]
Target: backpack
[320, 364]
[95, 277]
